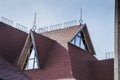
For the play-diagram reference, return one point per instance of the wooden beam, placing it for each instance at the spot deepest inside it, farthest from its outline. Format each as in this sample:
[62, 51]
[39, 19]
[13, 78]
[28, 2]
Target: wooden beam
[25, 52]
[88, 40]
[34, 46]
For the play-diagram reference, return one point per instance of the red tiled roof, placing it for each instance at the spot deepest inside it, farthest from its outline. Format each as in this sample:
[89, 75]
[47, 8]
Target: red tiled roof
[8, 72]
[11, 42]
[43, 46]
[86, 67]
[53, 58]
[58, 59]
[80, 62]
[63, 36]
[103, 69]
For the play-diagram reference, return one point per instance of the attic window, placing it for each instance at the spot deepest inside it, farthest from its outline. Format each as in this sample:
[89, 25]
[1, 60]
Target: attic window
[79, 41]
[32, 61]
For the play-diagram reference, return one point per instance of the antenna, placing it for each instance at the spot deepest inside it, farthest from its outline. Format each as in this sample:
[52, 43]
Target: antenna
[80, 21]
[34, 23]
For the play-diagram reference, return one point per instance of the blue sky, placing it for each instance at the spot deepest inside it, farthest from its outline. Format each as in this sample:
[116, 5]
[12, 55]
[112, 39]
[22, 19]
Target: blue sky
[97, 14]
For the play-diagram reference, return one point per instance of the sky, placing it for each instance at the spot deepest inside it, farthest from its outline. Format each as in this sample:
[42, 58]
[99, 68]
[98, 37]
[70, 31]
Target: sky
[97, 14]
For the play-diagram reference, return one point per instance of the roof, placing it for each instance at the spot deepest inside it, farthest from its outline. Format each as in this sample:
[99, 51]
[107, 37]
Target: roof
[8, 72]
[11, 42]
[63, 36]
[56, 66]
[58, 58]
[43, 46]
[53, 59]
[88, 40]
[86, 67]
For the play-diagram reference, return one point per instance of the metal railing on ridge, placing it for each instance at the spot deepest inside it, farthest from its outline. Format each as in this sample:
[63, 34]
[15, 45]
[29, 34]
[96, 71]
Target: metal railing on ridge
[6, 21]
[56, 27]
[39, 30]
[109, 55]
[21, 27]
[11, 23]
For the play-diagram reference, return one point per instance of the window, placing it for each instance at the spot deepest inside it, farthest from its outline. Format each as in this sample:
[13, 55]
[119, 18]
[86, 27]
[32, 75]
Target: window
[32, 62]
[79, 41]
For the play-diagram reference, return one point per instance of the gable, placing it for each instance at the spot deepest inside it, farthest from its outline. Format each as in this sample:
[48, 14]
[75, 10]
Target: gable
[82, 40]
[63, 36]
[26, 51]
[41, 46]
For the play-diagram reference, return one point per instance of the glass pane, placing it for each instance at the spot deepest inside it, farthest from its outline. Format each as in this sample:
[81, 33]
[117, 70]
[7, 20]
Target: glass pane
[72, 41]
[79, 34]
[32, 61]
[32, 54]
[26, 67]
[30, 64]
[35, 59]
[36, 65]
[82, 45]
[77, 41]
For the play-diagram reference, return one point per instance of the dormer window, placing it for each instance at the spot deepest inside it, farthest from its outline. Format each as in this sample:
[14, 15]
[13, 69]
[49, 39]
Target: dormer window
[79, 41]
[32, 61]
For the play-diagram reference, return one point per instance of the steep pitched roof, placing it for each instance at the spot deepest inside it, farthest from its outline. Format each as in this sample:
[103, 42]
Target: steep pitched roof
[43, 47]
[58, 58]
[11, 42]
[56, 66]
[52, 57]
[8, 72]
[88, 40]
[63, 36]
[103, 69]
[86, 67]
[25, 52]
[80, 63]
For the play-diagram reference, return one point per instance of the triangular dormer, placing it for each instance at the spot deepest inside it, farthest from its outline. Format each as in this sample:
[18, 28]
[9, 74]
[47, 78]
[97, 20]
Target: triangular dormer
[82, 40]
[28, 58]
